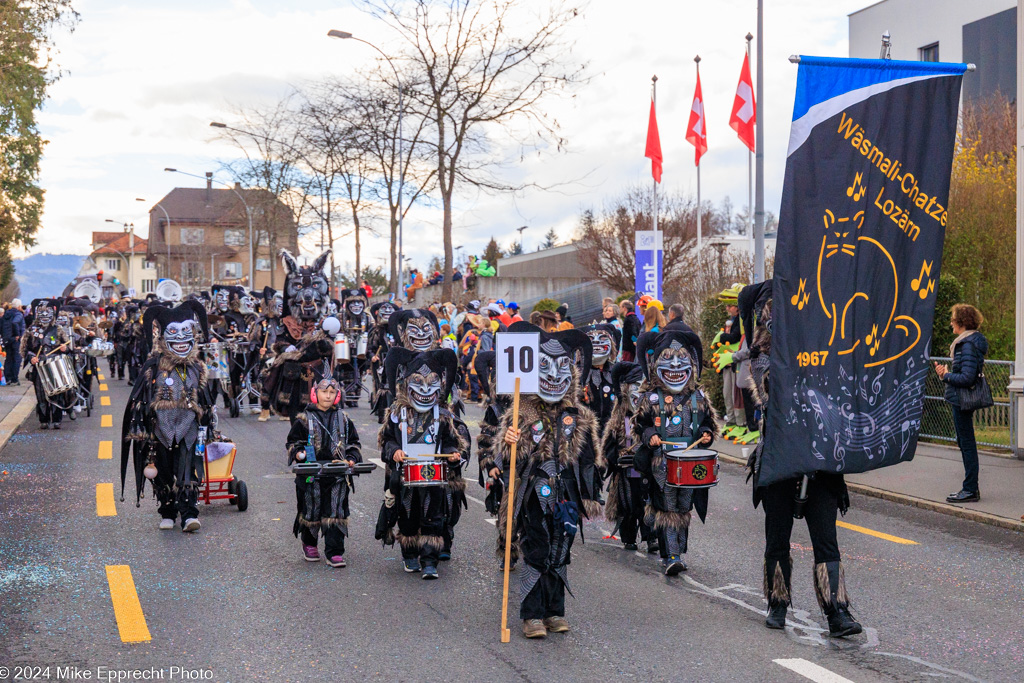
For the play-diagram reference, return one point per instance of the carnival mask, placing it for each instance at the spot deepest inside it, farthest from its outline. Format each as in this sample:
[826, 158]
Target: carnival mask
[424, 387]
[306, 288]
[632, 392]
[180, 338]
[247, 305]
[277, 306]
[384, 312]
[44, 316]
[222, 300]
[112, 316]
[555, 375]
[63, 319]
[332, 307]
[602, 343]
[354, 307]
[674, 368]
[421, 334]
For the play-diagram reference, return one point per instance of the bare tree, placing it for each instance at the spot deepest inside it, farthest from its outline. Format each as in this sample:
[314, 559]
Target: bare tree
[486, 66]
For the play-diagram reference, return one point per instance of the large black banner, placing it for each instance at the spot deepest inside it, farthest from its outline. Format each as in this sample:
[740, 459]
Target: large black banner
[860, 244]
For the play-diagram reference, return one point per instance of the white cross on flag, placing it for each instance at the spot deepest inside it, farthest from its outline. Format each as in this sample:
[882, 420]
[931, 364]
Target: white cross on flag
[744, 112]
[696, 134]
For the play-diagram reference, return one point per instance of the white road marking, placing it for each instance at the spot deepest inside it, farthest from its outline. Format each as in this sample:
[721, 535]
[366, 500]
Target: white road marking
[377, 461]
[811, 671]
[493, 521]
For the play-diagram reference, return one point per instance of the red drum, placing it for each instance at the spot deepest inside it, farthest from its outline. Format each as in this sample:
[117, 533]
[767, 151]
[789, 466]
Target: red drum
[696, 468]
[424, 472]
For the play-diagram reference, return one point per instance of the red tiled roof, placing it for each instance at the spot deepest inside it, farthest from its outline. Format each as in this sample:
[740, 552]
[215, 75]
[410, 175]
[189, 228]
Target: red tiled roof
[105, 237]
[121, 243]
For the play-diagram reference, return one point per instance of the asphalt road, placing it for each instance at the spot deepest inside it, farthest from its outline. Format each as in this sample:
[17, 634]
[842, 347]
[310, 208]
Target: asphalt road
[236, 601]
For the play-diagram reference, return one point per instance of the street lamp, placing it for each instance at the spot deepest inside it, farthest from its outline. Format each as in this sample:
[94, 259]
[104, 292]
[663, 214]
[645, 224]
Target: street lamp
[167, 231]
[345, 35]
[248, 215]
[130, 229]
[522, 247]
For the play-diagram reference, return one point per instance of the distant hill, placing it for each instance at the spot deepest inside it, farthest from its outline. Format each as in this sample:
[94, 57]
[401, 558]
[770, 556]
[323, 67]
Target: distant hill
[41, 275]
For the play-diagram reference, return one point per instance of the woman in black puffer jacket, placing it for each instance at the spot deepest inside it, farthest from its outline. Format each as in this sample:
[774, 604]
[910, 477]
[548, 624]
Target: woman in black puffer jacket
[968, 352]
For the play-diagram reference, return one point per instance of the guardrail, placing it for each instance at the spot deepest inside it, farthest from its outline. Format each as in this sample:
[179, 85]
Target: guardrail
[993, 426]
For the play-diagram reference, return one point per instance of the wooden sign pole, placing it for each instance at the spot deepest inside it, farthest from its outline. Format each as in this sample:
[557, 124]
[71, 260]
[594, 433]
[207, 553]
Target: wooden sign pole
[506, 635]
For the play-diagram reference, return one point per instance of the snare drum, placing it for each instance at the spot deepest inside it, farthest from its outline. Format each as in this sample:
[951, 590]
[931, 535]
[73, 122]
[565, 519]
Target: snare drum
[424, 472]
[99, 348]
[341, 350]
[57, 374]
[696, 468]
[218, 363]
[361, 346]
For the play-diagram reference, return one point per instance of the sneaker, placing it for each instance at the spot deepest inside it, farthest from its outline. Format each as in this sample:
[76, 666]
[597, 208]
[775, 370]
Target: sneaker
[45, 425]
[412, 565]
[336, 561]
[534, 628]
[191, 524]
[445, 555]
[673, 565]
[964, 496]
[652, 547]
[283, 418]
[264, 416]
[629, 546]
[56, 425]
[310, 553]
[557, 624]
[166, 524]
[429, 572]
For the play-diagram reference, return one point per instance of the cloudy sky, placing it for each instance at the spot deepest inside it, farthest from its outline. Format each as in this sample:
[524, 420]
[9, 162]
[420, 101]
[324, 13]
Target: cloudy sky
[145, 78]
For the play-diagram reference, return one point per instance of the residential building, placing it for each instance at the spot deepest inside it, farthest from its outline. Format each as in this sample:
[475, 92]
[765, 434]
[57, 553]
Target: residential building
[207, 239]
[981, 32]
[121, 256]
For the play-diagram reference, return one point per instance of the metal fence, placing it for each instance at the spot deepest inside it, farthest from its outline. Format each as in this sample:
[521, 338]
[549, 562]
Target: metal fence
[992, 426]
[584, 301]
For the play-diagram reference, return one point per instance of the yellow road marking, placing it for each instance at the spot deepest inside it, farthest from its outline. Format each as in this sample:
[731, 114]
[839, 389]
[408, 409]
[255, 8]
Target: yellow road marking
[107, 421]
[103, 387]
[100, 377]
[104, 400]
[105, 500]
[105, 451]
[131, 622]
[876, 534]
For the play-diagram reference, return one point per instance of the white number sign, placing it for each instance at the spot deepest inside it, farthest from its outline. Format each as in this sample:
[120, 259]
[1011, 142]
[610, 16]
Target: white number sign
[517, 355]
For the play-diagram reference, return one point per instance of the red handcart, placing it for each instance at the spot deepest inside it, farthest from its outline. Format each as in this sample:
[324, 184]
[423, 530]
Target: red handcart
[218, 481]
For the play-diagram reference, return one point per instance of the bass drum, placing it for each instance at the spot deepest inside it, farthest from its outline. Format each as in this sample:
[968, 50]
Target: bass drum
[57, 375]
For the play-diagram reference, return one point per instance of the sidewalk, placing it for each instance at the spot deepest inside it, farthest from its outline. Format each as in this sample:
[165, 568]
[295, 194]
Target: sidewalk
[16, 404]
[934, 473]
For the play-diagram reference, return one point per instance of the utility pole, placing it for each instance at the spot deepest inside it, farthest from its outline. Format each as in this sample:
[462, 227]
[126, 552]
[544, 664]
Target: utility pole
[759, 153]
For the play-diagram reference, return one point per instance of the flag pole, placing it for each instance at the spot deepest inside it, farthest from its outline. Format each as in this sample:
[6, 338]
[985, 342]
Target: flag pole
[654, 99]
[750, 176]
[699, 227]
[759, 152]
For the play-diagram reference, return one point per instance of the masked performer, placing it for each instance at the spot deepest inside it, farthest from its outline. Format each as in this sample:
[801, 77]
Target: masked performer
[495, 405]
[265, 333]
[42, 340]
[228, 324]
[355, 324]
[824, 496]
[599, 388]
[419, 425]
[672, 409]
[327, 434]
[306, 353]
[168, 414]
[115, 333]
[136, 344]
[379, 341]
[627, 487]
[557, 479]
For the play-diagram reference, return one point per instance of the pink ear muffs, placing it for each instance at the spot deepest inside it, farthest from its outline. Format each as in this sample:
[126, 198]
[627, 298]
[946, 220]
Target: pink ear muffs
[312, 395]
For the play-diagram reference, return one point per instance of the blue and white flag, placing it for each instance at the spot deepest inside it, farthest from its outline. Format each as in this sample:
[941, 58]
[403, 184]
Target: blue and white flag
[861, 229]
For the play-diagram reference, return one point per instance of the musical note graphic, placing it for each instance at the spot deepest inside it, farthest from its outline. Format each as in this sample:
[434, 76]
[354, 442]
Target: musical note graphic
[918, 283]
[857, 190]
[801, 297]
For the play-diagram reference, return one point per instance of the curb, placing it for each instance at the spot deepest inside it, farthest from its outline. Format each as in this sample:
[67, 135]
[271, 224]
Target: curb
[18, 414]
[943, 508]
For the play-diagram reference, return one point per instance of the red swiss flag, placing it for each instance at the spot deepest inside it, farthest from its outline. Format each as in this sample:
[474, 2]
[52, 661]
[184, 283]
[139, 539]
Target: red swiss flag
[696, 133]
[744, 111]
[653, 151]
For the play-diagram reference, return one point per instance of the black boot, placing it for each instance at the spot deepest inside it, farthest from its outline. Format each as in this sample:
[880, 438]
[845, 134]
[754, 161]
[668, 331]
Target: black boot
[777, 591]
[830, 587]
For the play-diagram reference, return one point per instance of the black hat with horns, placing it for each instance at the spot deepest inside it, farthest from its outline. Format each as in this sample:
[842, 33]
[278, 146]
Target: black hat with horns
[650, 345]
[574, 343]
[401, 362]
[399, 319]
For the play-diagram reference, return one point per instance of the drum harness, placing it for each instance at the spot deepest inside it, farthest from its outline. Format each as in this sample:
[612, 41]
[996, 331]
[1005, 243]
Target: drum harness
[695, 418]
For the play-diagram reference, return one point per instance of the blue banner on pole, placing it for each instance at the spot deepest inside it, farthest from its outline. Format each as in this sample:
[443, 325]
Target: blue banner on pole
[648, 262]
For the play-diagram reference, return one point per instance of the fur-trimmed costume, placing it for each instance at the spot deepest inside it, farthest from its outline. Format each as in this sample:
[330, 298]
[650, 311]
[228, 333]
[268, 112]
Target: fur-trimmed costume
[355, 322]
[168, 407]
[675, 413]
[40, 341]
[322, 501]
[826, 495]
[558, 473]
[378, 342]
[495, 407]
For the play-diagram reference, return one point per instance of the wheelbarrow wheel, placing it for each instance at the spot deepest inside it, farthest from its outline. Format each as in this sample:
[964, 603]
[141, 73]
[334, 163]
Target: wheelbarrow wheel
[241, 496]
[233, 489]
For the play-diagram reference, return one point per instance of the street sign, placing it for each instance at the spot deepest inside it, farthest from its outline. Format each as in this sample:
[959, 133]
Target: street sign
[517, 356]
[648, 262]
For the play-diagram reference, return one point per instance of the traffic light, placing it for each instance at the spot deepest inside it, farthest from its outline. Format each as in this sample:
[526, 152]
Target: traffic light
[99, 276]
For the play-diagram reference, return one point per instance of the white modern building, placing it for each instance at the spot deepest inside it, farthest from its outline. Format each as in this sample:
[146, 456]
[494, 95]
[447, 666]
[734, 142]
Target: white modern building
[982, 32]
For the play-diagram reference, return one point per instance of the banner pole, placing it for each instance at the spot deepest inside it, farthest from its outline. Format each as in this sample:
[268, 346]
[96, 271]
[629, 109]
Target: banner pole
[699, 227]
[759, 152]
[750, 175]
[506, 635]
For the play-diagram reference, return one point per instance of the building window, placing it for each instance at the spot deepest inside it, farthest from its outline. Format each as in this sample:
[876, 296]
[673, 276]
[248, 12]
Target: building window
[263, 264]
[190, 270]
[149, 265]
[234, 237]
[232, 270]
[113, 264]
[928, 53]
[148, 286]
[192, 235]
